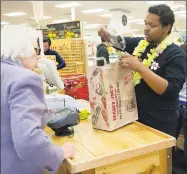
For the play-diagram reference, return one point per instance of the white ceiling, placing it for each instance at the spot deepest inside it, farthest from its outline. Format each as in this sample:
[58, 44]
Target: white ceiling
[138, 11]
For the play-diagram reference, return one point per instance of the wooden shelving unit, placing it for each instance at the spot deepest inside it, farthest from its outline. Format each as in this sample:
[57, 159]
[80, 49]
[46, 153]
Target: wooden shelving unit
[74, 52]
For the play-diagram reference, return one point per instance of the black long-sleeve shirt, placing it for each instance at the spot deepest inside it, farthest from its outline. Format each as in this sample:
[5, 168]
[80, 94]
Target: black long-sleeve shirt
[160, 111]
[59, 59]
[103, 52]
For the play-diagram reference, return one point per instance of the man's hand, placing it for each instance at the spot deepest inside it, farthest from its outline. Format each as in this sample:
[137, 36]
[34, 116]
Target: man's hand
[151, 78]
[130, 62]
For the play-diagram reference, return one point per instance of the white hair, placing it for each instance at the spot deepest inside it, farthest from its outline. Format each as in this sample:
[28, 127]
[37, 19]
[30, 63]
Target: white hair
[18, 40]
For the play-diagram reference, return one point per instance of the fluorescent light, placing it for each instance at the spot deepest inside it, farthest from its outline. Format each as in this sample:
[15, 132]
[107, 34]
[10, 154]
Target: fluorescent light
[15, 14]
[47, 17]
[141, 23]
[68, 5]
[136, 20]
[178, 6]
[4, 23]
[90, 26]
[106, 15]
[61, 21]
[130, 17]
[44, 17]
[156, 2]
[180, 12]
[93, 10]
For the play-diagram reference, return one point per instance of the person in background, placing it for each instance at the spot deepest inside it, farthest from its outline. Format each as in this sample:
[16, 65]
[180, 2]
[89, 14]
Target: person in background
[25, 147]
[182, 122]
[48, 51]
[102, 52]
[160, 67]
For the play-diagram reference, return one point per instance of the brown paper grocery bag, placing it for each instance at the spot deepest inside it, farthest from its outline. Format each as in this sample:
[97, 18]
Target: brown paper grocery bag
[112, 96]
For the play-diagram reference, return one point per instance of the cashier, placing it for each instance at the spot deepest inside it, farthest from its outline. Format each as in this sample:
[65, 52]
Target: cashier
[159, 68]
[48, 51]
[25, 147]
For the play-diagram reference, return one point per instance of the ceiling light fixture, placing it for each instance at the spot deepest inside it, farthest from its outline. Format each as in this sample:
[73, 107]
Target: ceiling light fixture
[68, 5]
[180, 12]
[44, 17]
[106, 15]
[156, 2]
[136, 20]
[15, 14]
[90, 26]
[93, 10]
[178, 6]
[61, 21]
[140, 23]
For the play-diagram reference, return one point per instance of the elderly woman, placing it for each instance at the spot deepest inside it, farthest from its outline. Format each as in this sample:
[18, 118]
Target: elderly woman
[25, 148]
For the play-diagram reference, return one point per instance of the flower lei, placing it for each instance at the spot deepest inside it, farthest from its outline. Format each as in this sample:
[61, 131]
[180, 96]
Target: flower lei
[155, 52]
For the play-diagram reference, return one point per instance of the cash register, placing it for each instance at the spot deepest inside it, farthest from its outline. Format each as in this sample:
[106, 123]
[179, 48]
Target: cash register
[60, 119]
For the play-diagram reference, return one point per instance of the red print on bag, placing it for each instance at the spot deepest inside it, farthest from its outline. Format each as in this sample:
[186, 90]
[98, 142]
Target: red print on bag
[113, 102]
[127, 79]
[92, 103]
[104, 101]
[104, 114]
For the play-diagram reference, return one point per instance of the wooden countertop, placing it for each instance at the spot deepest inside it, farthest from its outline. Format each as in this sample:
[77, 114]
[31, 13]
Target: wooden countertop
[96, 148]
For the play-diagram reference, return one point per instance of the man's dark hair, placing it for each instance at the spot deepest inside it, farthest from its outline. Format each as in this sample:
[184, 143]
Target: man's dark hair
[47, 39]
[166, 14]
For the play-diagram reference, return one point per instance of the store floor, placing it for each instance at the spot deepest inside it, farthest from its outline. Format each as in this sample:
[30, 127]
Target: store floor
[178, 167]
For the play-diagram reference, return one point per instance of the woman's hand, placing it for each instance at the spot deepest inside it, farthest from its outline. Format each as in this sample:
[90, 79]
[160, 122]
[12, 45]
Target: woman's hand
[69, 150]
[130, 62]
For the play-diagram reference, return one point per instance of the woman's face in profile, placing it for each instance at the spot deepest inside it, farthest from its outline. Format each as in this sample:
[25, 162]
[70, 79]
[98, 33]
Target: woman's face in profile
[30, 62]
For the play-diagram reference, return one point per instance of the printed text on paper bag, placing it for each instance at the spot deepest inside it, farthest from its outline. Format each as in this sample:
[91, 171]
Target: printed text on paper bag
[116, 103]
[128, 79]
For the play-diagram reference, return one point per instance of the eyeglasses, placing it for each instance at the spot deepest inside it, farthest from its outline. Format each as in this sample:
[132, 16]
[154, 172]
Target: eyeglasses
[38, 49]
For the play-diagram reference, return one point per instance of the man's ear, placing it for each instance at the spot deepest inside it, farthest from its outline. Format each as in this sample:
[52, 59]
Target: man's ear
[167, 28]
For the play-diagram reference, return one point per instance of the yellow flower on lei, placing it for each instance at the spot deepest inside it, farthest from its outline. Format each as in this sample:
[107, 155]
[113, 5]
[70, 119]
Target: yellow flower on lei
[154, 53]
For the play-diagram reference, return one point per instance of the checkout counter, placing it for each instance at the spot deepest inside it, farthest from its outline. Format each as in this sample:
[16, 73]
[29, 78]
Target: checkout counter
[132, 149]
